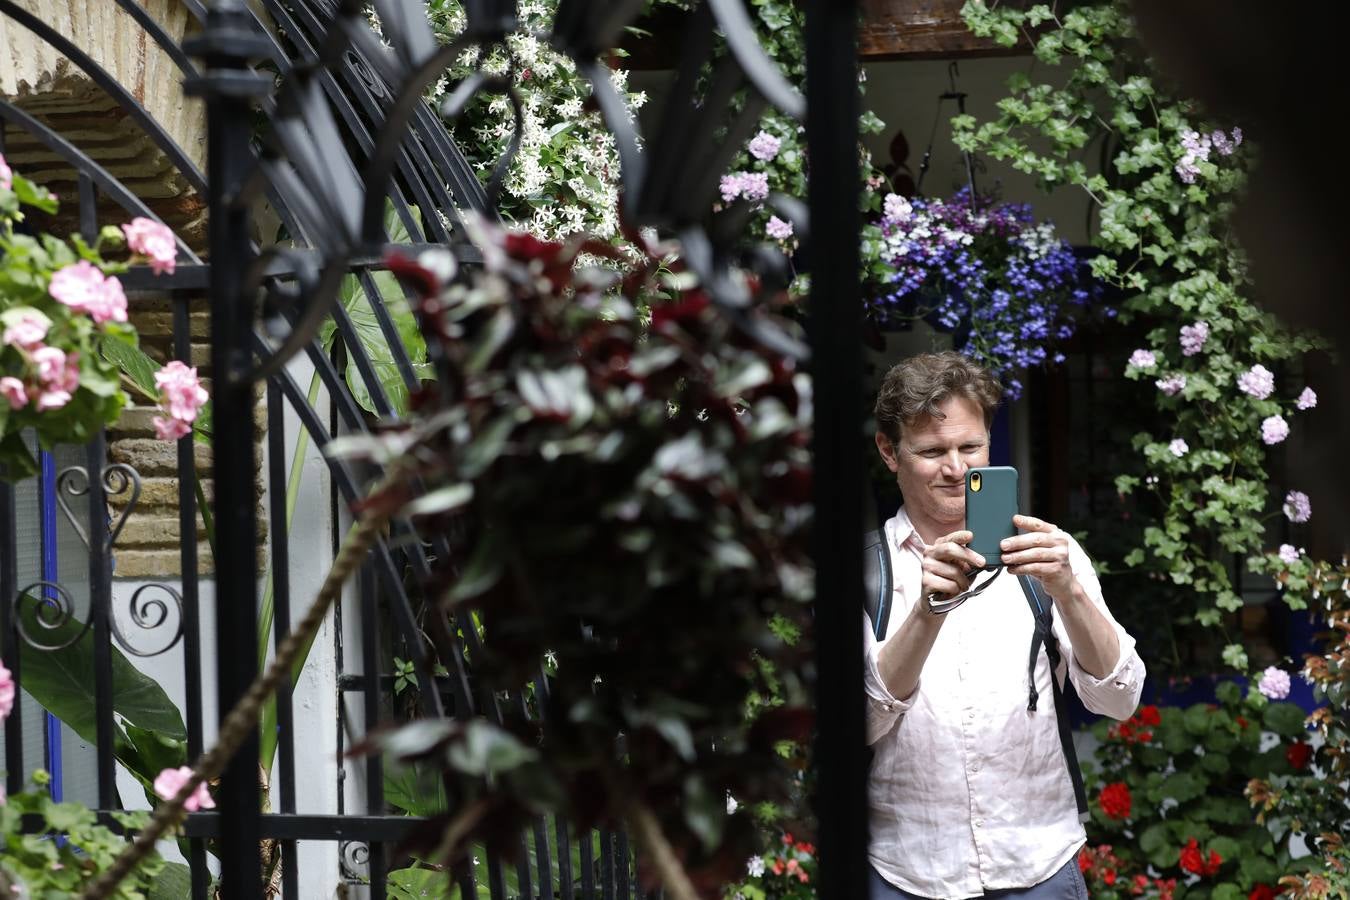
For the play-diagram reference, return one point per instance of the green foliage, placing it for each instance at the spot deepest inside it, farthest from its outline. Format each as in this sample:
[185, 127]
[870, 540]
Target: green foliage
[650, 580]
[1163, 235]
[68, 849]
[148, 731]
[26, 267]
[1185, 772]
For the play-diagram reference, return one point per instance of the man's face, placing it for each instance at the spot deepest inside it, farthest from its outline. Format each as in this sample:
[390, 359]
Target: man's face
[931, 458]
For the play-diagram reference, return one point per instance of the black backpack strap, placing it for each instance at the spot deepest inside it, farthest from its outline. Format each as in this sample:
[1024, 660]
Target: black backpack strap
[1043, 609]
[877, 582]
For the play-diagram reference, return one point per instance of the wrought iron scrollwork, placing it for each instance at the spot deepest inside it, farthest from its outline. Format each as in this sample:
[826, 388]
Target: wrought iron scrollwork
[355, 860]
[117, 479]
[149, 615]
[52, 610]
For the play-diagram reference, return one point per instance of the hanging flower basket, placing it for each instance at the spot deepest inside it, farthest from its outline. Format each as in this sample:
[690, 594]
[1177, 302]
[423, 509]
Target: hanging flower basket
[1006, 286]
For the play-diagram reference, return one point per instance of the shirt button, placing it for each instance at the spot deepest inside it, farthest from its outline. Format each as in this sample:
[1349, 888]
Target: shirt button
[975, 766]
[979, 823]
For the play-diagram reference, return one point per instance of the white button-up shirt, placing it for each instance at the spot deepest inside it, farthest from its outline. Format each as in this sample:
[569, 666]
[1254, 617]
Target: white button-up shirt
[969, 791]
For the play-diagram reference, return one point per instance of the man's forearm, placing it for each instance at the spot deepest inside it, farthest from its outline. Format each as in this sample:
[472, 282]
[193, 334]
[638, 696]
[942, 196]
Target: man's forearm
[902, 658]
[1095, 644]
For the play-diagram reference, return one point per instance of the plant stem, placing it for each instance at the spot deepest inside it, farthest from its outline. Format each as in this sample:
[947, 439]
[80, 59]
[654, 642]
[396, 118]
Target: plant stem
[662, 855]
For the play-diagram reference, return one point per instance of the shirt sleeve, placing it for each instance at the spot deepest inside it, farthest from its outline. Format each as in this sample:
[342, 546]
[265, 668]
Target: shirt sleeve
[1117, 695]
[884, 711]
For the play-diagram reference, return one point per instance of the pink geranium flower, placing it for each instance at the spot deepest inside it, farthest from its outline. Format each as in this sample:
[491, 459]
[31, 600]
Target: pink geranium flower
[13, 391]
[181, 393]
[27, 329]
[170, 781]
[83, 287]
[50, 362]
[181, 397]
[170, 429]
[6, 174]
[153, 240]
[6, 690]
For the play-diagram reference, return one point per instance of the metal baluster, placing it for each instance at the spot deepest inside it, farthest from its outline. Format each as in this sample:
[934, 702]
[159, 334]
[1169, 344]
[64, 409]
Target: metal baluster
[564, 858]
[100, 612]
[587, 864]
[621, 863]
[187, 555]
[370, 665]
[523, 883]
[281, 620]
[225, 46]
[606, 864]
[9, 635]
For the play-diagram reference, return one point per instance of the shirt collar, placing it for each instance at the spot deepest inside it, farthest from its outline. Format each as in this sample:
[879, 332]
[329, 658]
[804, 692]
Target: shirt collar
[902, 532]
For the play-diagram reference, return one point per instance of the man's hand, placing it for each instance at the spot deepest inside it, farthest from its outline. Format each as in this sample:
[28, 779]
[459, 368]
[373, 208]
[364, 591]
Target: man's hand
[1043, 552]
[946, 563]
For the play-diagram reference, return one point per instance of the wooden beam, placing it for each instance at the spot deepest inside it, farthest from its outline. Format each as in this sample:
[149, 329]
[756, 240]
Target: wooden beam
[922, 29]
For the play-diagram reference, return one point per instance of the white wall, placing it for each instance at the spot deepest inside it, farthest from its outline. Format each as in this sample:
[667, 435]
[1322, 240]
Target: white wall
[905, 96]
[315, 695]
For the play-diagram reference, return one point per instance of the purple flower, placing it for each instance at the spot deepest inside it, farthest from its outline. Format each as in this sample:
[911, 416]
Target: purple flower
[1289, 553]
[731, 186]
[1258, 381]
[1143, 359]
[1179, 448]
[755, 186]
[1297, 506]
[1274, 683]
[1172, 384]
[1307, 399]
[1274, 429]
[778, 229]
[764, 146]
[1193, 338]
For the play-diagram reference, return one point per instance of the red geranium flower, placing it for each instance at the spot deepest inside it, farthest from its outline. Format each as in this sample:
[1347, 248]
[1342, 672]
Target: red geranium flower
[1262, 892]
[1165, 888]
[1109, 876]
[1298, 755]
[787, 839]
[1149, 715]
[1193, 861]
[1115, 800]
[1084, 859]
[1140, 884]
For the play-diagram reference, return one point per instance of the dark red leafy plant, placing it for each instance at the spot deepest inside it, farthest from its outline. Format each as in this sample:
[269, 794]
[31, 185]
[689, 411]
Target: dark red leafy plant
[634, 505]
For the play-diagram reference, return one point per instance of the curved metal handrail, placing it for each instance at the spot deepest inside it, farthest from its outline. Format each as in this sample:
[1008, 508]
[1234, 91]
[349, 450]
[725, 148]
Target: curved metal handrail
[81, 162]
[112, 87]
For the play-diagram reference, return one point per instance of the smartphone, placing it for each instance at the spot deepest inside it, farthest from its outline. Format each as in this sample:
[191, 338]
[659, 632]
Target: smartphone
[991, 503]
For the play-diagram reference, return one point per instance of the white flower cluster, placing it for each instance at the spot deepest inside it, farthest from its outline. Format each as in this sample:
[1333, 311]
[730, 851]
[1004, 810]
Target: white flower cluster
[564, 178]
[1039, 241]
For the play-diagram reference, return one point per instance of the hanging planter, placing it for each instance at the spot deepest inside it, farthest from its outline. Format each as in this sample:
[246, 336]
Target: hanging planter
[1008, 288]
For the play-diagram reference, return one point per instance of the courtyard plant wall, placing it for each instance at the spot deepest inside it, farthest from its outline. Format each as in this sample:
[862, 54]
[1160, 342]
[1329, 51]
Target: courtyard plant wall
[1224, 377]
[1202, 492]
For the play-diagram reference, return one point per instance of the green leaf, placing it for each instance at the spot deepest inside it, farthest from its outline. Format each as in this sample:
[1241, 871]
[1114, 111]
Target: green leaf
[370, 337]
[62, 681]
[18, 463]
[1285, 719]
[415, 790]
[174, 882]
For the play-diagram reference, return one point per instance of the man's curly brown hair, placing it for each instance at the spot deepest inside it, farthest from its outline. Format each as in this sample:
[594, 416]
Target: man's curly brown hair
[915, 387]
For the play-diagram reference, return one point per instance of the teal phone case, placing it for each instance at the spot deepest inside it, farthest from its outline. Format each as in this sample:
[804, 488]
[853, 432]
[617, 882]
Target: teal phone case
[991, 503]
